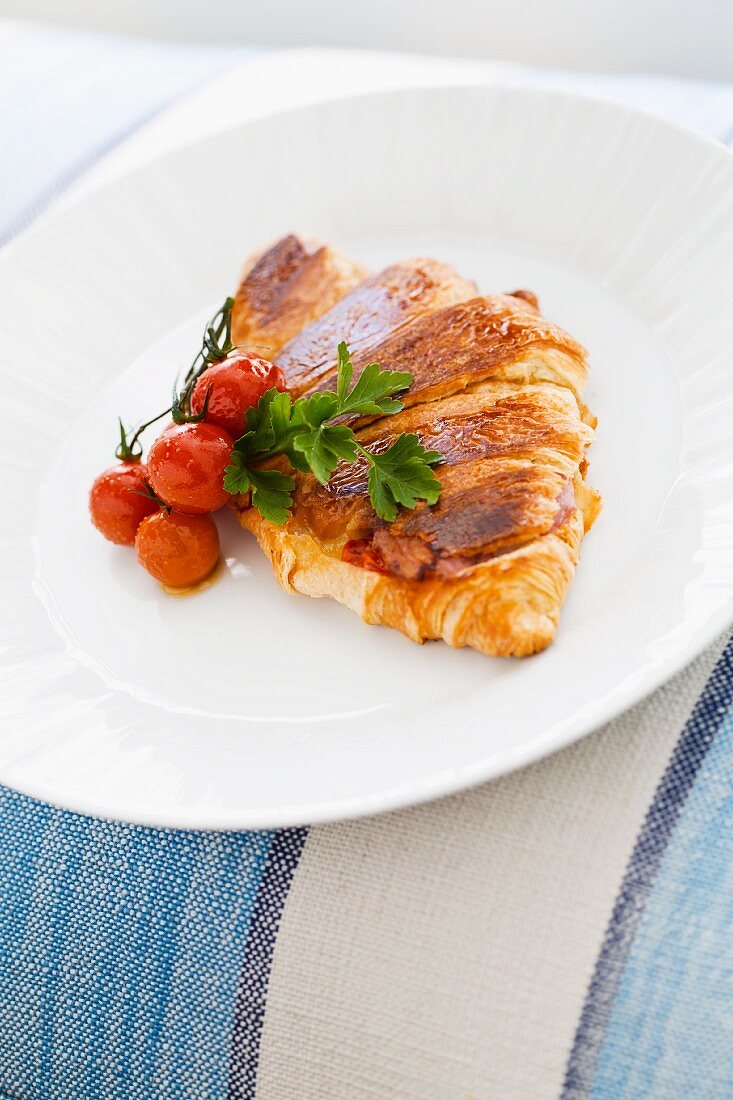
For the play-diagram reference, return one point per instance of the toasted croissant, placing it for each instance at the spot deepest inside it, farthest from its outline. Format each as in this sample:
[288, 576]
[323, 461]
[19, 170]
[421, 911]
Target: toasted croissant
[497, 390]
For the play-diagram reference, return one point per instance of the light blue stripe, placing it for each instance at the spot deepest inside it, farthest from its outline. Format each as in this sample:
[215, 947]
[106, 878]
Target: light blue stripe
[57, 914]
[699, 734]
[670, 1032]
[120, 954]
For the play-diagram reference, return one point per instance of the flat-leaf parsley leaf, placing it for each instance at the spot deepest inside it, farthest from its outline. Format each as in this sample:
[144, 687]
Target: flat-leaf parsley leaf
[305, 433]
[401, 475]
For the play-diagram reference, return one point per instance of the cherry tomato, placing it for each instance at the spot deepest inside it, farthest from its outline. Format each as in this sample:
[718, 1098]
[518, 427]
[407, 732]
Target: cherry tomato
[186, 467]
[179, 550]
[115, 502]
[235, 385]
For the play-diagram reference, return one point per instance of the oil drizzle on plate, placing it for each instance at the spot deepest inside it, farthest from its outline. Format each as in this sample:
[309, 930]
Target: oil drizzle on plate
[192, 589]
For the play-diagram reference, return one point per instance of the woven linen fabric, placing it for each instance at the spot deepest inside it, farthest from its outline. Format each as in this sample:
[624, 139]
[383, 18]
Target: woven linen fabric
[562, 932]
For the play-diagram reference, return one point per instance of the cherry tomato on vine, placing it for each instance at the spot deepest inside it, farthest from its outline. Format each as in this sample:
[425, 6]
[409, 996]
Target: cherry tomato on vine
[186, 467]
[179, 550]
[117, 503]
[234, 385]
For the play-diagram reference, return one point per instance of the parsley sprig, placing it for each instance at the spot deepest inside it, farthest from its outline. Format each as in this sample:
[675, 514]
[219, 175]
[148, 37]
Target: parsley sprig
[306, 432]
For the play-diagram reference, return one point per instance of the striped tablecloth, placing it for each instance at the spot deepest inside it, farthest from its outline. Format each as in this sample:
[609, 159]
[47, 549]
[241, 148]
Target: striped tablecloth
[565, 931]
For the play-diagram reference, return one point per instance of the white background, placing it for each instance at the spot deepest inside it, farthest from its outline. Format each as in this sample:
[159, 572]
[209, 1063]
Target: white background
[687, 37]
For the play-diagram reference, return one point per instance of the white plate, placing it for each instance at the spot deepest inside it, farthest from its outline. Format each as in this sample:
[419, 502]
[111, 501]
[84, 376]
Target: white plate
[245, 707]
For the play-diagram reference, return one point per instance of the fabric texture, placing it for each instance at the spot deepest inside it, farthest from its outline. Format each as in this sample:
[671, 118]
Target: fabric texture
[564, 931]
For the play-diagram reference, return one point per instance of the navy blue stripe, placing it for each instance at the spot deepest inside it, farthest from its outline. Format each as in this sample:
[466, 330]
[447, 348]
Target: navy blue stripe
[659, 824]
[257, 962]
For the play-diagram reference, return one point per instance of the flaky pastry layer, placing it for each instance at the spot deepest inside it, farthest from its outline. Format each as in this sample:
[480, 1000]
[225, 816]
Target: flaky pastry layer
[507, 607]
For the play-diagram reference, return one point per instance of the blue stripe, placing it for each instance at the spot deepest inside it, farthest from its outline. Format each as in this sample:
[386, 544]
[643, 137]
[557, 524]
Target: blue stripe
[60, 904]
[121, 952]
[664, 814]
[671, 1027]
[255, 974]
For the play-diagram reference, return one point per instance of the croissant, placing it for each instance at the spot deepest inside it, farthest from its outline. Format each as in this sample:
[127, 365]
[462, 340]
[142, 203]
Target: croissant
[285, 287]
[497, 390]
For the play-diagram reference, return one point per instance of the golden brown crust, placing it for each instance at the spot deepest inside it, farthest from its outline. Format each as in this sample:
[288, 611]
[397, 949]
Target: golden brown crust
[497, 390]
[508, 454]
[378, 306]
[499, 336]
[286, 287]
